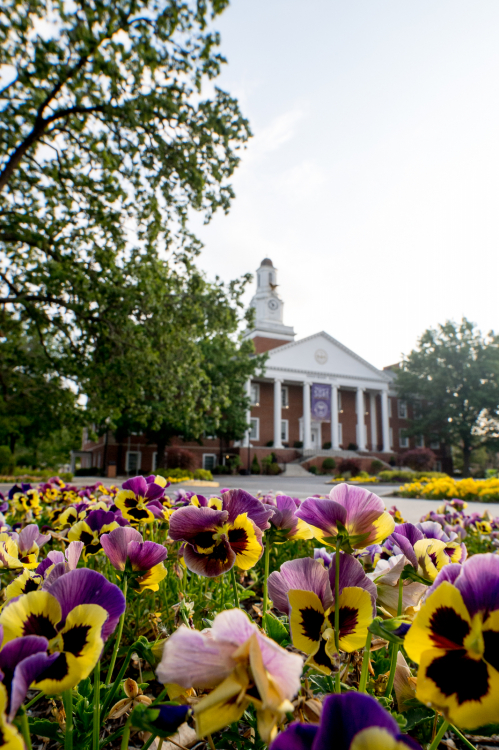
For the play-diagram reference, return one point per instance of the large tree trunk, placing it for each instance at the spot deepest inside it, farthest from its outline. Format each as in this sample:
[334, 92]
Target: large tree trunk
[466, 460]
[447, 462]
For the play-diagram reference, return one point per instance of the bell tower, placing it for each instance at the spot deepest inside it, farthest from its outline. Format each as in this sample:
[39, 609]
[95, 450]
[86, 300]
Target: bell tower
[269, 331]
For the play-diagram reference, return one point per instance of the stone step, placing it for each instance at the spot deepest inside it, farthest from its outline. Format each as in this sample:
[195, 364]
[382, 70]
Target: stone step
[294, 470]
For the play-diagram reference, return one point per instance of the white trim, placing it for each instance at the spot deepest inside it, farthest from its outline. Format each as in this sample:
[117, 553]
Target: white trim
[340, 434]
[284, 397]
[402, 409]
[256, 400]
[391, 438]
[139, 462]
[209, 455]
[154, 464]
[285, 431]
[334, 341]
[390, 412]
[403, 439]
[256, 422]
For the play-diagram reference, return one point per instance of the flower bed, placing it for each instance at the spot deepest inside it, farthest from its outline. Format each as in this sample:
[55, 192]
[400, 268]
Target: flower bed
[442, 488]
[243, 621]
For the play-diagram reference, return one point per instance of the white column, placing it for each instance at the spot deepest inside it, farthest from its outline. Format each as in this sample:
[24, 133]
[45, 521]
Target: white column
[248, 415]
[361, 421]
[385, 422]
[334, 418]
[307, 434]
[277, 413]
[374, 421]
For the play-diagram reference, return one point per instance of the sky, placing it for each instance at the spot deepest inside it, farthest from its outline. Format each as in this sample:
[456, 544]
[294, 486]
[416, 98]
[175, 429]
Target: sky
[372, 180]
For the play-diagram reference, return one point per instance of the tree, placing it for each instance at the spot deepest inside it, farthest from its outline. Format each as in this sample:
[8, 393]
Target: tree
[35, 402]
[452, 380]
[107, 140]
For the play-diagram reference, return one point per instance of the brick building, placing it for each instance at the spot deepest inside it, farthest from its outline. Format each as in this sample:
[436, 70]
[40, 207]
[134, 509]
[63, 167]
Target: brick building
[316, 398]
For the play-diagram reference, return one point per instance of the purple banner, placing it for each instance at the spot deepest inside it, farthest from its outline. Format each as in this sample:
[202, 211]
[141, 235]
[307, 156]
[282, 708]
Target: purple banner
[321, 402]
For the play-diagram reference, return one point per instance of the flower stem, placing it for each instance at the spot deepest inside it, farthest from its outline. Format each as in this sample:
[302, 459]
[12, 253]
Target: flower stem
[395, 646]
[126, 735]
[462, 737]
[35, 699]
[337, 610]
[234, 587]
[68, 707]
[118, 636]
[25, 727]
[365, 663]
[96, 714]
[439, 736]
[110, 696]
[266, 560]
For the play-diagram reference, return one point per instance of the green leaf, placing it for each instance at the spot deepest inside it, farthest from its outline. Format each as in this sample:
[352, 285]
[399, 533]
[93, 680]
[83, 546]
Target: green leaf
[45, 728]
[85, 687]
[276, 629]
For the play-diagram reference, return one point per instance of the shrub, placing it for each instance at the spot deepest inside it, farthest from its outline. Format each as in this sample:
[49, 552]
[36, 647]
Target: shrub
[376, 465]
[312, 469]
[273, 469]
[235, 462]
[349, 464]
[269, 444]
[221, 469]
[298, 444]
[179, 458]
[255, 466]
[93, 471]
[175, 473]
[419, 459]
[362, 475]
[327, 446]
[353, 447]
[203, 474]
[329, 464]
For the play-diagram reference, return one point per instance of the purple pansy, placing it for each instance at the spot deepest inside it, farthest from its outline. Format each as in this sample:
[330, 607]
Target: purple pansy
[140, 499]
[360, 512]
[284, 523]
[127, 543]
[354, 720]
[21, 662]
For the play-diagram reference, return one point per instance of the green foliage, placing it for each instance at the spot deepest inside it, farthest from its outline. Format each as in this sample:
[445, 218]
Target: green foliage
[407, 476]
[277, 629]
[452, 379]
[6, 459]
[255, 466]
[203, 474]
[175, 473]
[313, 469]
[376, 465]
[329, 464]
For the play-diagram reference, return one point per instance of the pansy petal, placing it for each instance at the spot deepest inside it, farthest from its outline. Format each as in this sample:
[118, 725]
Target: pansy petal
[305, 574]
[355, 617]
[26, 672]
[322, 514]
[343, 716]
[196, 525]
[73, 554]
[352, 574]
[237, 502]
[233, 626]
[194, 659]
[442, 622]
[146, 555]
[296, 737]
[306, 619]
[213, 564]
[245, 539]
[84, 586]
[465, 688]
[478, 583]
[137, 485]
[36, 613]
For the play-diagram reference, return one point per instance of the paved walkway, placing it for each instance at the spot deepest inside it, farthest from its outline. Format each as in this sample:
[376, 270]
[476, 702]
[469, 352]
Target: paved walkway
[303, 487]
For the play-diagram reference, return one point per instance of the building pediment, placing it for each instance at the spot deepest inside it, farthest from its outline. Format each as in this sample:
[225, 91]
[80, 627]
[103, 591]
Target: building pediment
[321, 354]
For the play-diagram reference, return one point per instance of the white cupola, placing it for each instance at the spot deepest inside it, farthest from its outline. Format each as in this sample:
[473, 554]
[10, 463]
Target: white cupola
[269, 306]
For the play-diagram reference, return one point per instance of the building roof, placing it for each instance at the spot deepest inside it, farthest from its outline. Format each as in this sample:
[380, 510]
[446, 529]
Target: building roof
[267, 262]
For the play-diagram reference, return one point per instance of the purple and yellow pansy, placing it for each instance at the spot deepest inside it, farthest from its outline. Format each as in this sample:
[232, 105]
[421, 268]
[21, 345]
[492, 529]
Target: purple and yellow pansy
[455, 640]
[140, 499]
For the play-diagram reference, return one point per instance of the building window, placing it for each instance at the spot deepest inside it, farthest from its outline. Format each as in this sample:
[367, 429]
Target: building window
[416, 410]
[438, 466]
[403, 439]
[255, 394]
[419, 441]
[402, 409]
[254, 429]
[284, 430]
[435, 444]
[133, 462]
[209, 461]
[340, 433]
[389, 407]
[285, 397]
